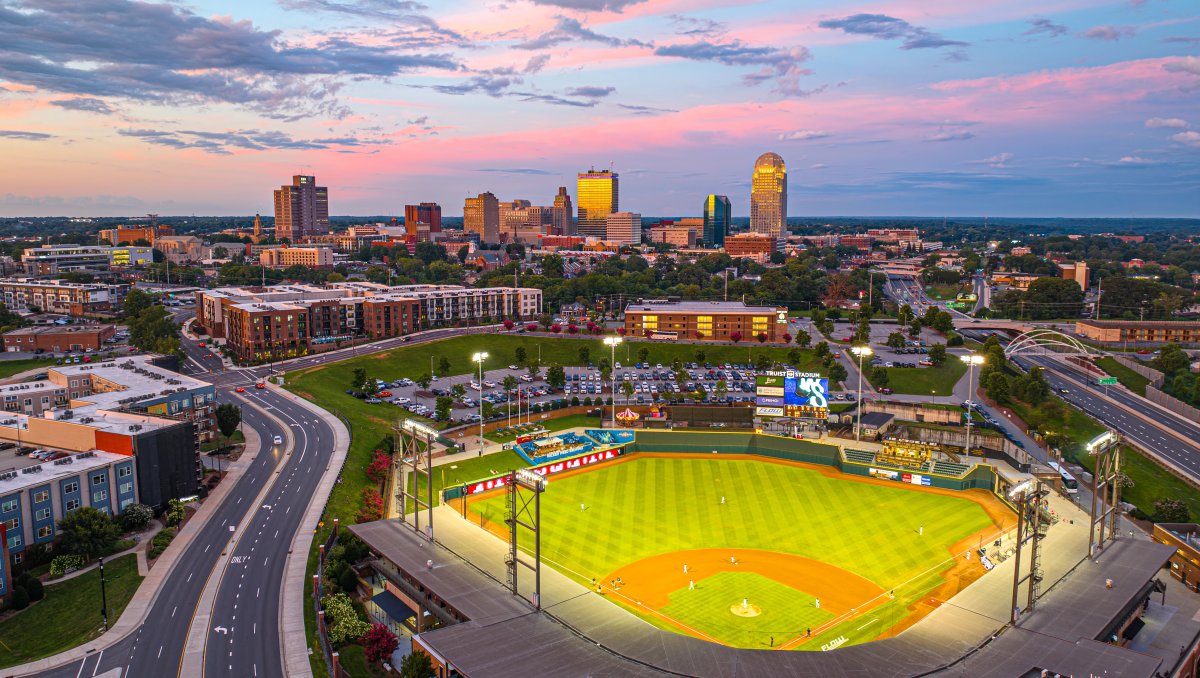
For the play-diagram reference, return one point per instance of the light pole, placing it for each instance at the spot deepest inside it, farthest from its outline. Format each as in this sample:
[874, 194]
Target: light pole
[861, 352]
[479, 358]
[612, 342]
[103, 597]
[971, 359]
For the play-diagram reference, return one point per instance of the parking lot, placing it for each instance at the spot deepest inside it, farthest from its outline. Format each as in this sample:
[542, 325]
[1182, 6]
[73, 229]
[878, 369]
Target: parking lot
[651, 383]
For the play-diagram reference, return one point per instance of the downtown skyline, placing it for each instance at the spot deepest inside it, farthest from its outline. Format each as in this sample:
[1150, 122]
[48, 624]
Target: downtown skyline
[1002, 108]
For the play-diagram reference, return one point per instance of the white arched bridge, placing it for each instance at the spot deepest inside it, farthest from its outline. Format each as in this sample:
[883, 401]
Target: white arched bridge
[1043, 340]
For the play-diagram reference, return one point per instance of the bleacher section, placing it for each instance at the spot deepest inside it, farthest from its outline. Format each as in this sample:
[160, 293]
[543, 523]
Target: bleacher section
[859, 456]
[950, 468]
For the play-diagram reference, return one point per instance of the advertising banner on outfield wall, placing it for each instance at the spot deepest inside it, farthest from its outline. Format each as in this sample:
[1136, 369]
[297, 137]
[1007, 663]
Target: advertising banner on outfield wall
[550, 469]
[884, 473]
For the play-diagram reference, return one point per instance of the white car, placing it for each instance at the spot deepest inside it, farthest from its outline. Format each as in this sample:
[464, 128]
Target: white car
[526, 378]
[278, 440]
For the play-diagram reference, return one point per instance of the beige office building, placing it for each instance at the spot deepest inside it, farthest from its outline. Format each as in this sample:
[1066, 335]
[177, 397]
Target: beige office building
[624, 228]
[481, 215]
[301, 209]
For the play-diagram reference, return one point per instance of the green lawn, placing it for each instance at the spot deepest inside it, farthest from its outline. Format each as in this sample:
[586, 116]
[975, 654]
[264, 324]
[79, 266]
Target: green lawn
[69, 614]
[651, 506]
[1130, 379]
[931, 381]
[707, 609]
[236, 439]
[468, 467]
[11, 367]
[559, 424]
[945, 292]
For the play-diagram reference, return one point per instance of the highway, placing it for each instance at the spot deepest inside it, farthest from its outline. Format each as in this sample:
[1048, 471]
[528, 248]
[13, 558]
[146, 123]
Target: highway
[250, 587]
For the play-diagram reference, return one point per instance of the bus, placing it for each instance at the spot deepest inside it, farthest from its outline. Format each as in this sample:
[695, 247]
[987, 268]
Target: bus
[1070, 486]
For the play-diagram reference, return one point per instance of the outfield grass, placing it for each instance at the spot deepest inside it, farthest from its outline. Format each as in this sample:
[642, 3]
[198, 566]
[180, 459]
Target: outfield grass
[1128, 378]
[69, 614]
[932, 381]
[650, 506]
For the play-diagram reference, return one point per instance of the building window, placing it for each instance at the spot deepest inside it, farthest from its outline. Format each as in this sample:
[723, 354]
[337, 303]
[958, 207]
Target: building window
[40, 496]
[126, 488]
[42, 514]
[99, 496]
[760, 324]
[17, 557]
[12, 524]
[704, 325]
[72, 504]
[70, 488]
[8, 505]
[98, 480]
[45, 531]
[650, 322]
[124, 472]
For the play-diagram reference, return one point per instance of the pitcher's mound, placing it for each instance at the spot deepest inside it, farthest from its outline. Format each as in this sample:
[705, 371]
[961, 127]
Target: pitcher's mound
[750, 610]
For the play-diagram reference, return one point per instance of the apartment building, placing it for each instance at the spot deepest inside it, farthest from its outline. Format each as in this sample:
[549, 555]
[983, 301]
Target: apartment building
[57, 338]
[55, 259]
[706, 320]
[310, 257]
[56, 296]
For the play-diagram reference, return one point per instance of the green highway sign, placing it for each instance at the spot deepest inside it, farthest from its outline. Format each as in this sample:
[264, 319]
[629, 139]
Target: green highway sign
[1107, 381]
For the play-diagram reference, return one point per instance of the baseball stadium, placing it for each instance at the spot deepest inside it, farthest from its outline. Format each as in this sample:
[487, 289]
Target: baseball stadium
[714, 554]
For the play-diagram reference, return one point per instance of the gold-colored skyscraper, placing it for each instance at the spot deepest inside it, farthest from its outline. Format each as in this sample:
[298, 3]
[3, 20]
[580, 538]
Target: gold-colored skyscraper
[597, 193]
[768, 196]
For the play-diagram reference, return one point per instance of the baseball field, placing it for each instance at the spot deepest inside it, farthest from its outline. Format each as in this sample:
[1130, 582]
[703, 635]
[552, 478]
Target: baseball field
[759, 553]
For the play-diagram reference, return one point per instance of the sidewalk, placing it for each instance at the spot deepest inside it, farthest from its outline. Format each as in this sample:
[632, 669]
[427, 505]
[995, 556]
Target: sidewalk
[139, 548]
[139, 606]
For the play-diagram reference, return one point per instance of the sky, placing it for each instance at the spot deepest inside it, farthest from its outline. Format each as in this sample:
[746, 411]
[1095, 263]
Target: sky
[880, 107]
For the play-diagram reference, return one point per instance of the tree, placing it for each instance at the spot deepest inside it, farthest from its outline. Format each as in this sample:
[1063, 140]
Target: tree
[229, 416]
[896, 340]
[136, 517]
[585, 355]
[20, 598]
[822, 349]
[914, 329]
[721, 390]
[342, 619]
[377, 470]
[803, 338]
[489, 409]
[458, 391]
[762, 363]
[175, 513]
[443, 407]
[424, 381]
[510, 382]
[699, 355]
[879, 376]
[627, 390]
[762, 337]
[905, 315]
[942, 322]
[795, 356]
[837, 373]
[379, 643]
[88, 532]
[535, 367]
[556, 377]
[1170, 511]
[1171, 358]
[735, 337]
[643, 354]
[997, 387]
[463, 253]
[360, 378]
[33, 587]
[520, 355]
[416, 665]
[937, 354]
[136, 302]
[443, 366]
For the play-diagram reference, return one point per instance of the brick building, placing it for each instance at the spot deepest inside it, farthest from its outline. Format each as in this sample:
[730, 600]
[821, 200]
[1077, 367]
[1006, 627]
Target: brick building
[57, 338]
[755, 246]
[1185, 539]
[1140, 331]
[56, 296]
[706, 320]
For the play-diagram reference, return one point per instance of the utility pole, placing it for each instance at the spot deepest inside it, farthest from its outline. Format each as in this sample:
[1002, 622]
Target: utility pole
[1099, 293]
[103, 597]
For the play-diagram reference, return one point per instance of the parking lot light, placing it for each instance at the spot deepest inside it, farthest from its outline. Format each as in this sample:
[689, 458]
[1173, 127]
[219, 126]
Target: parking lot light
[479, 358]
[861, 352]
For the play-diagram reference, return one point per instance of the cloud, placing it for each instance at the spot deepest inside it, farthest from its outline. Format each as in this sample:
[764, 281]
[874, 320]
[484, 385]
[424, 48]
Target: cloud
[1182, 38]
[590, 5]
[517, 170]
[1133, 160]
[1169, 123]
[803, 135]
[536, 63]
[950, 135]
[691, 26]
[1045, 26]
[1190, 138]
[646, 110]
[781, 65]
[1109, 33]
[85, 104]
[554, 100]
[591, 91]
[485, 83]
[24, 136]
[380, 9]
[999, 161]
[223, 143]
[568, 29]
[166, 54]
[1189, 64]
[884, 27]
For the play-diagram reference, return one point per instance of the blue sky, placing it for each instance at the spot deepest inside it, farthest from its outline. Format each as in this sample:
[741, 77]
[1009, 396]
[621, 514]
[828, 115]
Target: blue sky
[917, 107]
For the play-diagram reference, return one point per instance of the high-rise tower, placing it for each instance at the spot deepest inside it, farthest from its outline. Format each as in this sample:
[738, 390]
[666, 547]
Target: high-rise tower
[301, 209]
[768, 196]
[481, 215]
[562, 218]
[597, 193]
[717, 215]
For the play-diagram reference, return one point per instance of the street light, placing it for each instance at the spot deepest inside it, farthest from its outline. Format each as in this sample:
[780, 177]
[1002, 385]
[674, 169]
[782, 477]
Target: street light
[612, 342]
[479, 358]
[971, 359]
[861, 352]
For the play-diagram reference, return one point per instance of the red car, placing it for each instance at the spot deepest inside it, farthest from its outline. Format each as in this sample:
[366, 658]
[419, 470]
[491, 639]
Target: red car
[241, 389]
[384, 394]
[260, 385]
[202, 345]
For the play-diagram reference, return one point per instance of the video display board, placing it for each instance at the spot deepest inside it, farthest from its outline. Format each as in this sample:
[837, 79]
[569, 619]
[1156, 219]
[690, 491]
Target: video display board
[802, 395]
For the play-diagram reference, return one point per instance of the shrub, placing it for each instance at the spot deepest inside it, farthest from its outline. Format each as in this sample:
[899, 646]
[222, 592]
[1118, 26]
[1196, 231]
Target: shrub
[379, 643]
[34, 589]
[64, 564]
[160, 542]
[175, 512]
[136, 517]
[372, 508]
[342, 619]
[1170, 511]
[348, 580]
[378, 469]
[20, 598]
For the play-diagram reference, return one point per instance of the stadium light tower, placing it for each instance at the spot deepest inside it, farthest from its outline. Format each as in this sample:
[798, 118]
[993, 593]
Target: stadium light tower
[612, 343]
[861, 352]
[479, 358]
[971, 359]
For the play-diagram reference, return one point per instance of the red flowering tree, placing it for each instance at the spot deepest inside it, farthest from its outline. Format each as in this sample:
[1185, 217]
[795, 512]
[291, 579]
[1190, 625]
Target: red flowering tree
[699, 335]
[377, 470]
[379, 643]
[508, 324]
[556, 328]
[735, 337]
[572, 329]
[531, 327]
[647, 333]
[372, 508]
[621, 331]
[762, 337]
[787, 338]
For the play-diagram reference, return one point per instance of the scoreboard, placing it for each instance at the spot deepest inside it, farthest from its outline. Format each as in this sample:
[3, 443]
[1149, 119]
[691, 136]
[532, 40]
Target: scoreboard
[803, 395]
